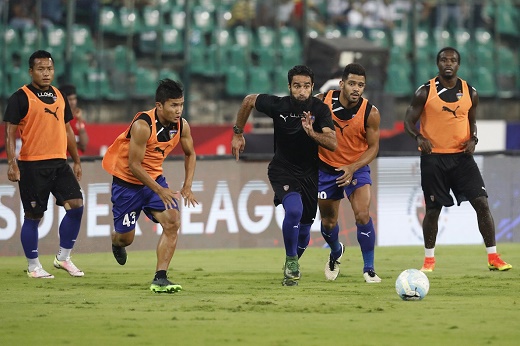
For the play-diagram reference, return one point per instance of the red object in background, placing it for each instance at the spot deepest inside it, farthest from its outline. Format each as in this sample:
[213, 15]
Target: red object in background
[208, 139]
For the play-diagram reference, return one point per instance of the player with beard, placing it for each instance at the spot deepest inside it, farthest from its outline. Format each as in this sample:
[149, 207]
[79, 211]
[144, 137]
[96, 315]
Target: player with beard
[346, 170]
[301, 124]
[42, 115]
[446, 106]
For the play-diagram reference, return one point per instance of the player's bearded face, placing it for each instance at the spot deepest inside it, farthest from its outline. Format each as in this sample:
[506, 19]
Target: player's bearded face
[300, 105]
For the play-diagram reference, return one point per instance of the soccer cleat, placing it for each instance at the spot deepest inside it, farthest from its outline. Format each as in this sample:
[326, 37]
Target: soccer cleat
[429, 264]
[68, 266]
[496, 263]
[39, 273]
[332, 265]
[119, 254]
[291, 271]
[164, 285]
[371, 277]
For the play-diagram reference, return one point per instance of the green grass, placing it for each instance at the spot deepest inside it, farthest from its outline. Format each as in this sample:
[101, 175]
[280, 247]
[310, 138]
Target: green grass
[235, 297]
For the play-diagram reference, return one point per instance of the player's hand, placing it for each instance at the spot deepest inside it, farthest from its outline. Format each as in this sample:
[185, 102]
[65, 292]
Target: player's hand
[189, 199]
[170, 198]
[78, 172]
[13, 172]
[238, 143]
[307, 121]
[346, 178]
[425, 144]
[469, 146]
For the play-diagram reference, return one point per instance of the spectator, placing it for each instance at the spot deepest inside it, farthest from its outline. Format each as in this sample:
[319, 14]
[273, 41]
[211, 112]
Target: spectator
[78, 124]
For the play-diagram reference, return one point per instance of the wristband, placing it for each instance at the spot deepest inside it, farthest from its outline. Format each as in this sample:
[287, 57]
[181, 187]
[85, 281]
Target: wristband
[417, 135]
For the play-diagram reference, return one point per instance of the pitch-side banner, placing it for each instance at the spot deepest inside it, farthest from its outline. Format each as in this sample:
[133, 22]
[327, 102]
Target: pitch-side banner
[401, 204]
[235, 210]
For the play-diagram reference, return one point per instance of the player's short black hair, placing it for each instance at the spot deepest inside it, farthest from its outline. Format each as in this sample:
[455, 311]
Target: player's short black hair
[445, 49]
[300, 70]
[68, 89]
[168, 89]
[353, 68]
[39, 54]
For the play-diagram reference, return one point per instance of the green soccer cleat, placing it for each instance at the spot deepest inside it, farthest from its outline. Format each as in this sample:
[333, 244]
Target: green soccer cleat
[291, 271]
[164, 285]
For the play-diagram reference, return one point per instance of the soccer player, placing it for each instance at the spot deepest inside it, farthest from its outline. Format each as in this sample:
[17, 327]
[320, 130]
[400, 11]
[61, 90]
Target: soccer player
[346, 170]
[446, 106]
[78, 124]
[301, 123]
[41, 114]
[135, 160]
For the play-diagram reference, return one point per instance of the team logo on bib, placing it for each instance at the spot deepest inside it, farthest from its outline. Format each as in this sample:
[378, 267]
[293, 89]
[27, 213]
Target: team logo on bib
[286, 187]
[459, 95]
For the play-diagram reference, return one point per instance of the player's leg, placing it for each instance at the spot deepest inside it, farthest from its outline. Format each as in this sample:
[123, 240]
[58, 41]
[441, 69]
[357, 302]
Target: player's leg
[127, 203]
[293, 206]
[329, 198]
[34, 192]
[366, 234]
[170, 222]
[67, 192]
[430, 227]
[469, 185]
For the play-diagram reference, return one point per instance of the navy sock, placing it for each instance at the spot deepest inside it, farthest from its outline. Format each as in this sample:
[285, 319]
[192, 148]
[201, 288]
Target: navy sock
[303, 238]
[293, 206]
[29, 238]
[332, 238]
[69, 227]
[366, 236]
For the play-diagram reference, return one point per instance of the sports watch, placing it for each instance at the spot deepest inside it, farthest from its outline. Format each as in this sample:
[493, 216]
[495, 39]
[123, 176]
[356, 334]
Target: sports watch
[237, 130]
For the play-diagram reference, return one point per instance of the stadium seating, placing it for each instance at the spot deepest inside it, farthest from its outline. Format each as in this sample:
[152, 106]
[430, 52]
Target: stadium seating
[145, 83]
[56, 39]
[172, 41]
[16, 78]
[152, 19]
[484, 82]
[236, 82]
[259, 80]
[130, 20]
[203, 19]
[398, 82]
[109, 20]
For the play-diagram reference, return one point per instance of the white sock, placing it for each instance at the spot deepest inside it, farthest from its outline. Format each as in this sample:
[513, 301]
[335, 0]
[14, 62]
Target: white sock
[491, 249]
[33, 263]
[63, 254]
[429, 252]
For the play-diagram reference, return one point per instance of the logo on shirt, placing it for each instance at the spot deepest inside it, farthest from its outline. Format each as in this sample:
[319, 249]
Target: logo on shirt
[172, 133]
[459, 95]
[47, 110]
[339, 126]
[446, 109]
[159, 150]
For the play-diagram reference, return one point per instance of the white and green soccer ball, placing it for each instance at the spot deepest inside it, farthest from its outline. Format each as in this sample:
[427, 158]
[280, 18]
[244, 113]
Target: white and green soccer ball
[412, 284]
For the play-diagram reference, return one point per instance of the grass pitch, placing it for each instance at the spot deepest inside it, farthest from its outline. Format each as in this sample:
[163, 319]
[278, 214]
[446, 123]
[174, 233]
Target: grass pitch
[235, 297]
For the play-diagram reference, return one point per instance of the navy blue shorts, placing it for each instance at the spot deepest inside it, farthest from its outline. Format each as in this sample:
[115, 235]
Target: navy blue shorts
[128, 200]
[329, 189]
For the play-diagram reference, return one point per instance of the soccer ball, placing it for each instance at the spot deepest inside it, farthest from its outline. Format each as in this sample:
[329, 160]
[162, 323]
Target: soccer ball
[412, 284]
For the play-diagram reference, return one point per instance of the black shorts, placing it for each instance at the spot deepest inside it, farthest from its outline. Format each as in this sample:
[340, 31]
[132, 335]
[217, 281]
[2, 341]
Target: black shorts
[458, 172]
[284, 181]
[40, 178]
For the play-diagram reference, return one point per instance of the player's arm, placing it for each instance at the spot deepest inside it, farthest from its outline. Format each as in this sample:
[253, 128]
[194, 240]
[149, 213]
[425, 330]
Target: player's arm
[372, 137]
[326, 138]
[82, 132]
[13, 172]
[190, 159]
[73, 151]
[413, 113]
[238, 143]
[320, 96]
[469, 146]
[139, 135]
